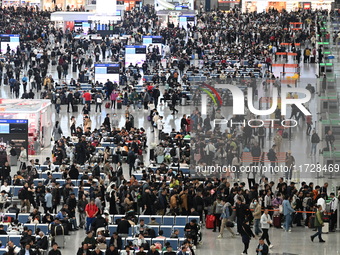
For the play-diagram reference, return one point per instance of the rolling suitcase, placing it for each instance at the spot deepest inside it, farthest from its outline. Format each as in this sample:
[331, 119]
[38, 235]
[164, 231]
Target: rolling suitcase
[119, 104]
[209, 221]
[312, 59]
[325, 228]
[277, 221]
[75, 108]
[107, 105]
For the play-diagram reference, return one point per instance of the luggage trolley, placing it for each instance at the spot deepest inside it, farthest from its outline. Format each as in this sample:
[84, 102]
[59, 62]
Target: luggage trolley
[57, 235]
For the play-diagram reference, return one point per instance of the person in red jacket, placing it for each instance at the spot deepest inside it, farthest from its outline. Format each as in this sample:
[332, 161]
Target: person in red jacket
[87, 96]
[91, 211]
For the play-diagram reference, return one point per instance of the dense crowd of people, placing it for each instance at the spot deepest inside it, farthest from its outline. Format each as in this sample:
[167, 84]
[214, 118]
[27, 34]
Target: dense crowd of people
[226, 44]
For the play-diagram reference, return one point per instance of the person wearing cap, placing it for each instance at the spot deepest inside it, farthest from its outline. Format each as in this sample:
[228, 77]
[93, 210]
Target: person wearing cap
[91, 211]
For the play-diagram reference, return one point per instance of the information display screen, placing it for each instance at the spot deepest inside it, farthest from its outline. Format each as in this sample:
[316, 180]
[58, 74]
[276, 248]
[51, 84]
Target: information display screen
[107, 71]
[185, 20]
[135, 54]
[82, 24]
[13, 132]
[12, 40]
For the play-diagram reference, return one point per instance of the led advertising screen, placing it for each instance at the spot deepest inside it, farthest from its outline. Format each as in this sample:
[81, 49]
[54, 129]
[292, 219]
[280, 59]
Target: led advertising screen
[135, 54]
[82, 24]
[13, 41]
[154, 41]
[106, 71]
[185, 20]
[13, 132]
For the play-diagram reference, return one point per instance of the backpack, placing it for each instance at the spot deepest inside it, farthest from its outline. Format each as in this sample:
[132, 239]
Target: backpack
[219, 208]
[13, 152]
[173, 152]
[305, 201]
[58, 101]
[20, 194]
[317, 139]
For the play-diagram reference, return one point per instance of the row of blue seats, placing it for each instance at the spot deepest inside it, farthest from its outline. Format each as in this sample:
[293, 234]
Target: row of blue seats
[174, 242]
[167, 230]
[162, 220]
[42, 226]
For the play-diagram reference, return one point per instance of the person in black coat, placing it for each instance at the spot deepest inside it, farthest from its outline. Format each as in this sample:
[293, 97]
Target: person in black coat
[123, 227]
[111, 250]
[246, 234]
[54, 250]
[147, 202]
[70, 99]
[42, 242]
[99, 222]
[116, 241]
[26, 250]
[262, 247]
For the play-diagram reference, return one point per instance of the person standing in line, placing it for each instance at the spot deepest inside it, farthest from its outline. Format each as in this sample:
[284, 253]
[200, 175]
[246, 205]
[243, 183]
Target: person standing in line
[318, 223]
[257, 217]
[266, 221]
[287, 211]
[315, 139]
[246, 234]
[91, 211]
[334, 211]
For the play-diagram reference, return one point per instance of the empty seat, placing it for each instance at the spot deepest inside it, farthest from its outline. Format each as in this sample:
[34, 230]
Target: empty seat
[112, 229]
[23, 217]
[181, 220]
[4, 239]
[168, 220]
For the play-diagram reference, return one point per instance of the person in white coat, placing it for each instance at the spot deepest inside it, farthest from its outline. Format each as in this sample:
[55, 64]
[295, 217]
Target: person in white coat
[22, 158]
[266, 221]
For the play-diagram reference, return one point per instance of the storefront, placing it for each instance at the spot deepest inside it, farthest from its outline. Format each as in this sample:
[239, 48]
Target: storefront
[263, 5]
[26, 123]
